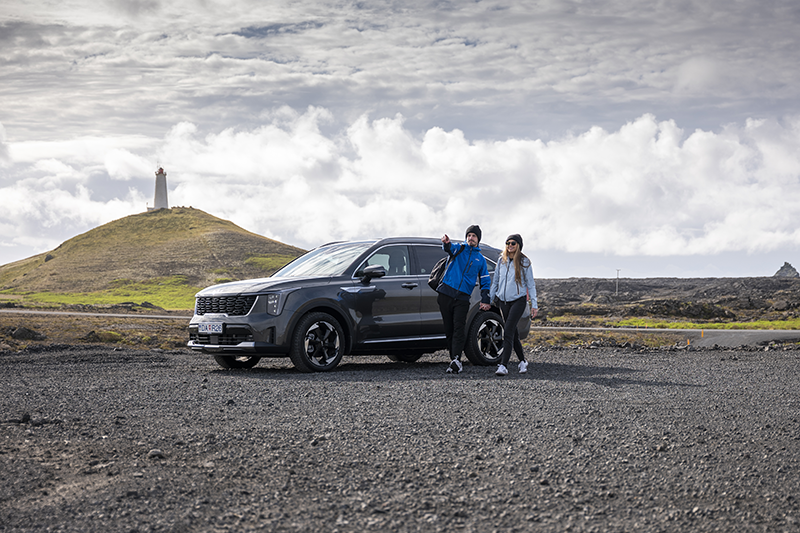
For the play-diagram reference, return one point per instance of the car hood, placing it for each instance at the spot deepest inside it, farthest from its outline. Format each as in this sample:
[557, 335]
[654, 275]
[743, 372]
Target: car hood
[255, 286]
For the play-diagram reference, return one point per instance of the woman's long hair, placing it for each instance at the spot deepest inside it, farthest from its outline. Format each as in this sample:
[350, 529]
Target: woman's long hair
[518, 268]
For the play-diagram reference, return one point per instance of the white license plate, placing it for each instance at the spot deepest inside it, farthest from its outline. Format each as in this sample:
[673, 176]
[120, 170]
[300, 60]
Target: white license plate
[210, 327]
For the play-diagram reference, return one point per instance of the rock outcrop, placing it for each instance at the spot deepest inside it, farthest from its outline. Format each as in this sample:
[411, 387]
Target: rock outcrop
[787, 271]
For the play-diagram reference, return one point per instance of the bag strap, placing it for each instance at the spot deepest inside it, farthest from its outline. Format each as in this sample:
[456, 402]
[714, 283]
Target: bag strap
[450, 257]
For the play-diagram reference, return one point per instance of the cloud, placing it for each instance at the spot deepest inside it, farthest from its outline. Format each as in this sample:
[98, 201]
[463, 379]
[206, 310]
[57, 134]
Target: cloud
[491, 69]
[5, 157]
[648, 188]
[123, 165]
[135, 8]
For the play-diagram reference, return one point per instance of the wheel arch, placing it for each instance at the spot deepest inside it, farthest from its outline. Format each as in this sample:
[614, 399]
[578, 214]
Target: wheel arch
[335, 312]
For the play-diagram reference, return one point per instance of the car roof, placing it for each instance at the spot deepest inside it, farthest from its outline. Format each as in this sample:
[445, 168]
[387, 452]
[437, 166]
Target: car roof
[435, 241]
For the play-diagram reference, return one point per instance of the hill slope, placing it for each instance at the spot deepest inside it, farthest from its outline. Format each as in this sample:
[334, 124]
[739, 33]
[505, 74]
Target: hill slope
[184, 243]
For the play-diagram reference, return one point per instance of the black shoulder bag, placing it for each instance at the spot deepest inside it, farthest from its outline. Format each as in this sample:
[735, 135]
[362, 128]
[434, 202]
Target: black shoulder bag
[437, 273]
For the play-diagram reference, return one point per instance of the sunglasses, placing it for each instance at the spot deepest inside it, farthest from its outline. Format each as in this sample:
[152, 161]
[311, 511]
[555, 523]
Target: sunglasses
[511, 243]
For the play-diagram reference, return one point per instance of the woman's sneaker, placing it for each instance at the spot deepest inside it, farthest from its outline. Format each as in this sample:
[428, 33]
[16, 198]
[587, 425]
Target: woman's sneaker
[501, 370]
[455, 367]
[523, 367]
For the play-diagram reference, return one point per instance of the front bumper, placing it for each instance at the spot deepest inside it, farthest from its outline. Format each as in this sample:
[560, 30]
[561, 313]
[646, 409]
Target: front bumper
[235, 338]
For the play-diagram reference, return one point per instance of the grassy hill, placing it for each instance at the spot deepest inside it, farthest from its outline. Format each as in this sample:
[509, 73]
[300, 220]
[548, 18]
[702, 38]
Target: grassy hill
[162, 257]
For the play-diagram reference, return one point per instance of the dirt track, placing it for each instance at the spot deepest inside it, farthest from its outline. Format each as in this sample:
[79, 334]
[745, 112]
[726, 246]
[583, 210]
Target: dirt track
[95, 439]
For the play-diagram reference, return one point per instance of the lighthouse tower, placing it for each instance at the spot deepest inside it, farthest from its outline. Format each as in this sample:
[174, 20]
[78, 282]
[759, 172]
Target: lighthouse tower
[160, 201]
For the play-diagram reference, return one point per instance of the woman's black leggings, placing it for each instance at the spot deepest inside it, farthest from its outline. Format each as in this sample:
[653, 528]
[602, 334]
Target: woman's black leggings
[512, 312]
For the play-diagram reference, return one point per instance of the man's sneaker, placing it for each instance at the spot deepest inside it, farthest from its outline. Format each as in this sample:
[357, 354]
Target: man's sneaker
[523, 367]
[455, 367]
[501, 370]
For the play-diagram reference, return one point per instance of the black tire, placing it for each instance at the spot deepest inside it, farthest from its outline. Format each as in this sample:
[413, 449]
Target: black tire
[317, 343]
[236, 361]
[405, 357]
[485, 339]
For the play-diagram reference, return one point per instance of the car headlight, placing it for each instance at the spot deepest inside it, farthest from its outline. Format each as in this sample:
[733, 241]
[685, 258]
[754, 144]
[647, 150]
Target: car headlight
[276, 300]
[274, 306]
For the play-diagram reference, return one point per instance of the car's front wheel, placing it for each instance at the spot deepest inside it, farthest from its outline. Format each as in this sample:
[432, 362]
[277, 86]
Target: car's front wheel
[317, 343]
[485, 339]
[230, 361]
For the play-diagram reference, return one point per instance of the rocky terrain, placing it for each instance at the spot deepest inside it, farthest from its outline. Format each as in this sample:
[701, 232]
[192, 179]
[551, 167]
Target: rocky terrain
[108, 424]
[700, 299]
[103, 439]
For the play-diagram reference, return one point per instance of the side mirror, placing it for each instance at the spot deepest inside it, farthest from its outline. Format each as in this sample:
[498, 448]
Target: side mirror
[372, 271]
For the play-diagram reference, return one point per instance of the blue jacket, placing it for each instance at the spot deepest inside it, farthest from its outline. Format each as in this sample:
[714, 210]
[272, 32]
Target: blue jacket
[504, 283]
[464, 271]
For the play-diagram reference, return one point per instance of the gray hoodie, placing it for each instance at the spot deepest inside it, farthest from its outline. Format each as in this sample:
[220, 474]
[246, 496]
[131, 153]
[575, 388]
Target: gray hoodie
[504, 284]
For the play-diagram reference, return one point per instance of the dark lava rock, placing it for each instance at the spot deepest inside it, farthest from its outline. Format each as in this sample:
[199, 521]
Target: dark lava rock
[787, 271]
[25, 334]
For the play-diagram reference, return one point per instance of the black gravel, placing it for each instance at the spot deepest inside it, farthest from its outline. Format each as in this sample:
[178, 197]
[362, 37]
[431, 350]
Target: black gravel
[589, 440]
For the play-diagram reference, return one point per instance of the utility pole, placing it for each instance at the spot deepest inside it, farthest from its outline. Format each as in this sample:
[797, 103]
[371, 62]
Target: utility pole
[617, 293]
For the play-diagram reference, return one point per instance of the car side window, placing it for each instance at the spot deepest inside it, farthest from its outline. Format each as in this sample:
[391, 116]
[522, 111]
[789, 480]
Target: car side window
[394, 259]
[427, 256]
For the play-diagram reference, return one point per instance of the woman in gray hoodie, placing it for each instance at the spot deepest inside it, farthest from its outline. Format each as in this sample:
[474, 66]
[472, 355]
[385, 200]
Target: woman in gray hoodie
[513, 285]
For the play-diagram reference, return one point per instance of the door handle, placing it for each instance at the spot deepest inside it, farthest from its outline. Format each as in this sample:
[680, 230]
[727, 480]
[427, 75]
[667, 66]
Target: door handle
[410, 285]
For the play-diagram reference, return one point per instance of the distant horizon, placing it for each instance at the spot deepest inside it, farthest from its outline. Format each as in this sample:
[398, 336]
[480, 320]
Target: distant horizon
[549, 264]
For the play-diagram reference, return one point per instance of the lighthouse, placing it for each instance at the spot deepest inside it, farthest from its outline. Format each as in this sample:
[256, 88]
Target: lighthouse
[160, 201]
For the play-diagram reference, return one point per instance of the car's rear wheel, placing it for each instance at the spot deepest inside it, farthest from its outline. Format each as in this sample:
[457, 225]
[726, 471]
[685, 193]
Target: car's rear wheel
[233, 361]
[406, 357]
[317, 343]
[485, 339]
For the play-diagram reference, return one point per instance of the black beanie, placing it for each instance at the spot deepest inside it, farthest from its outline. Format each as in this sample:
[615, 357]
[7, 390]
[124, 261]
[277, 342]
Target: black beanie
[515, 237]
[476, 229]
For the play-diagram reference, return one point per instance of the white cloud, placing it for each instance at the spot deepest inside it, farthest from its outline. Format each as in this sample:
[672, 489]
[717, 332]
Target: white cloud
[124, 165]
[647, 189]
[491, 69]
[4, 155]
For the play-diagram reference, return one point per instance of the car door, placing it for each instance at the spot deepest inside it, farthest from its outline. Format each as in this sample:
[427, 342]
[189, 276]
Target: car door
[431, 324]
[387, 308]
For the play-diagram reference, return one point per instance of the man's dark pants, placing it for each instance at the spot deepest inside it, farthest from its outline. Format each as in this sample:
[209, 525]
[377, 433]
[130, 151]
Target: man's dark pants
[454, 315]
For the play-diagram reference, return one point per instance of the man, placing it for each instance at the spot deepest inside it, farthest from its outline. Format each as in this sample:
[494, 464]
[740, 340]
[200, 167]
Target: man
[467, 266]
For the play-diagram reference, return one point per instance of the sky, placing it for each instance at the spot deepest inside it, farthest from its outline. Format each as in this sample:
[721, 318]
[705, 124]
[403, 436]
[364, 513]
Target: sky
[619, 138]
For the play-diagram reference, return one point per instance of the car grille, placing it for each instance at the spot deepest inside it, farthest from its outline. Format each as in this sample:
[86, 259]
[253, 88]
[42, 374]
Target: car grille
[230, 305]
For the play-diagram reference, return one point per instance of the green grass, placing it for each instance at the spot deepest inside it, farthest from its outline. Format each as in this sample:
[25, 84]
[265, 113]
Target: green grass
[269, 263]
[605, 338]
[666, 324]
[168, 293]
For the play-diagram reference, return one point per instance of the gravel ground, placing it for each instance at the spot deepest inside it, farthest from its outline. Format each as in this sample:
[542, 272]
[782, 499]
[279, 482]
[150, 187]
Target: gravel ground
[95, 439]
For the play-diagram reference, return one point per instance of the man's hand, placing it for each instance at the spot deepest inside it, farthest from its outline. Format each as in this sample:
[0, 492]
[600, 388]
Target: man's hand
[485, 307]
[445, 239]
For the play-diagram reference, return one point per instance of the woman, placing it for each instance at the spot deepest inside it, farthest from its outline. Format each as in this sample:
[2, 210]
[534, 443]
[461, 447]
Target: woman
[513, 286]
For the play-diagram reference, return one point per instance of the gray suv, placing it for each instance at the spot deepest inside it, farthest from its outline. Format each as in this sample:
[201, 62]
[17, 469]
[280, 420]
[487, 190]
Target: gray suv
[363, 297]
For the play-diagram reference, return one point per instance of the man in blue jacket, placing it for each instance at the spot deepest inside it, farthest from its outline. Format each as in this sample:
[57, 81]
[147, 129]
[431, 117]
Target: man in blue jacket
[467, 267]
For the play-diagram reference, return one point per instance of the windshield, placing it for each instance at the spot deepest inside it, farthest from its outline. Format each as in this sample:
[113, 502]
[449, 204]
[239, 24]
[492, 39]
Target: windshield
[327, 261]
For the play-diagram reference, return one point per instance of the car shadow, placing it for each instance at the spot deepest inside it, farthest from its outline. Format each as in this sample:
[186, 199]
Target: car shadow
[354, 370]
